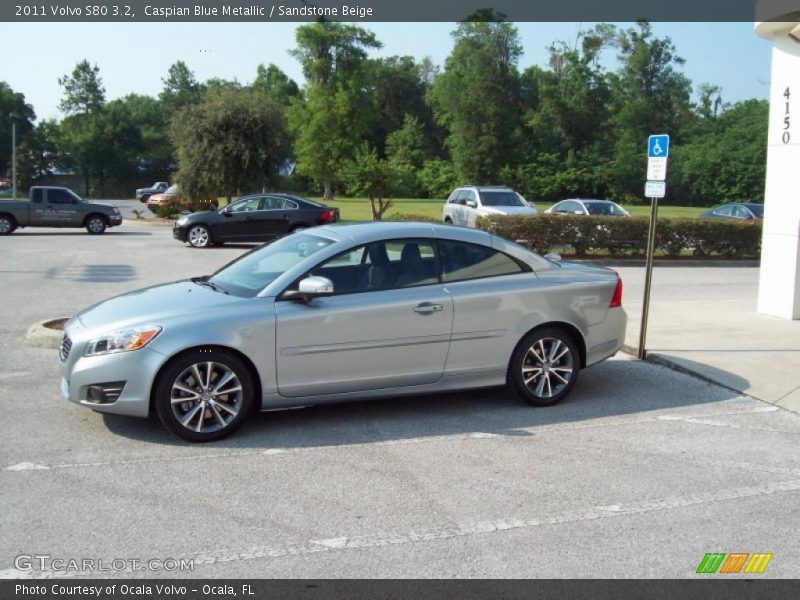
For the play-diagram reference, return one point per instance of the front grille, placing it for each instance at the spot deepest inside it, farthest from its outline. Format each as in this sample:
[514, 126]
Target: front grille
[66, 346]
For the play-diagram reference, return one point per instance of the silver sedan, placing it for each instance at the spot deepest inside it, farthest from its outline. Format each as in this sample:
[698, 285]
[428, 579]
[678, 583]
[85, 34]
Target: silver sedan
[344, 312]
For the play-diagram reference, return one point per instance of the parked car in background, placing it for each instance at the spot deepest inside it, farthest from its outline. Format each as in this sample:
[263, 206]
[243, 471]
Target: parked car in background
[142, 194]
[56, 207]
[347, 312]
[256, 218]
[172, 195]
[736, 211]
[588, 207]
[466, 204]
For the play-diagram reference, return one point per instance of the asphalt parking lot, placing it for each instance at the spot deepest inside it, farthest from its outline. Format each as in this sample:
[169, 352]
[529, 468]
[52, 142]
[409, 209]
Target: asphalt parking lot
[639, 473]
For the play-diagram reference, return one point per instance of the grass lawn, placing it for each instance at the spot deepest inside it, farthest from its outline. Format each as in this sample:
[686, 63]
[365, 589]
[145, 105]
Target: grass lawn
[358, 209]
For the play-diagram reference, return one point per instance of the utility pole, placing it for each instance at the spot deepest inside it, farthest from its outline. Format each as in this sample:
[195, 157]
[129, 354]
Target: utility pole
[13, 117]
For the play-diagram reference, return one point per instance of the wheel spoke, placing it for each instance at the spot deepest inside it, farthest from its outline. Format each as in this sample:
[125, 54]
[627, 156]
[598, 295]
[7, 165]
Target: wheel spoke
[190, 415]
[227, 409]
[201, 418]
[185, 390]
[218, 416]
[209, 371]
[196, 374]
[549, 385]
[226, 392]
[561, 354]
[532, 377]
[223, 381]
[554, 349]
[554, 374]
[540, 386]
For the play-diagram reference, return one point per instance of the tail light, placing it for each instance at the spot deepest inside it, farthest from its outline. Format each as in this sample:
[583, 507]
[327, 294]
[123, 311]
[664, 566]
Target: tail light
[616, 299]
[328, 216]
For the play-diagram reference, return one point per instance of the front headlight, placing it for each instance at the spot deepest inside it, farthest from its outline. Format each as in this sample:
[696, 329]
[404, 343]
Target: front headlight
[122, 340]
[115, 210]
[182, 221]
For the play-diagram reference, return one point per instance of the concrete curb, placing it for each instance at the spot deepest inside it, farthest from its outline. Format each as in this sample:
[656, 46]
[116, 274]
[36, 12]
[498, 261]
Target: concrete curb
[146, 223]
[40, 336]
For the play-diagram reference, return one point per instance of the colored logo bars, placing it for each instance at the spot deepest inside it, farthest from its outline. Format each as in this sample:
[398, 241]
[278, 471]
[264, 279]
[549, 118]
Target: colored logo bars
[736, 562]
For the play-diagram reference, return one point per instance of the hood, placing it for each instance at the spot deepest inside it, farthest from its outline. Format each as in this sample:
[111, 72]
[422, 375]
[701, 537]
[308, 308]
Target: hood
[154, 305]
[101, 205]
[509, 210]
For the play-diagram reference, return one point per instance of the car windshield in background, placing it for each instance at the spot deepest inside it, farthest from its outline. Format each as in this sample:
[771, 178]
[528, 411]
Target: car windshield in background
[252, 272]
[173, 189]
[757, 210]
[501, 198]
[604, 208]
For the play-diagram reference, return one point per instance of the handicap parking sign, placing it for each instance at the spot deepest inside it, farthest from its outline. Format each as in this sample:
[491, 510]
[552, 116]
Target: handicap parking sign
[658, 146]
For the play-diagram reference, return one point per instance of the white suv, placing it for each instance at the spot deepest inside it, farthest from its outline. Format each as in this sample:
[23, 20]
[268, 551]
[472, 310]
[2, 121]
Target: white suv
[466, 204]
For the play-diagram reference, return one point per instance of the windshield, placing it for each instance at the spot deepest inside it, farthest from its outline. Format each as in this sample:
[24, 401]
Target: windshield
[757, 210]
[252, 272]
[173, 189]
[501, 198]
[604, 208]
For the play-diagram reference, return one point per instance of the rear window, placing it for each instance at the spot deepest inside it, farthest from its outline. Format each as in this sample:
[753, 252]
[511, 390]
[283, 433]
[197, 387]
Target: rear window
[501, 198]
[462, 261]
[604, 208]
[757, 210]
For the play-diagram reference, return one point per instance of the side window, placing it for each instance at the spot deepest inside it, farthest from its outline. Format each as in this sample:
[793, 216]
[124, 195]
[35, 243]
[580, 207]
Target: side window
[462, 261]
[289, 204]
[470, 195]
[381, 266]
[741, 212]
[272, 203]
[725, 211]
[57, 196]
[38, 194]
[246, 205]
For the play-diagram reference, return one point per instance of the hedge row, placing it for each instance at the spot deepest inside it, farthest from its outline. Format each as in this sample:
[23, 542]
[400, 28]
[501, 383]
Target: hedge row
[619, 236]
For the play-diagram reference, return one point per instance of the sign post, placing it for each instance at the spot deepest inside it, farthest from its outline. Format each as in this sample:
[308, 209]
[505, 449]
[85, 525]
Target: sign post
[655, 188]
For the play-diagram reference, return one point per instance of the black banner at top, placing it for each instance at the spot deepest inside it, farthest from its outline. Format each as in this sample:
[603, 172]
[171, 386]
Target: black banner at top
[394, 10]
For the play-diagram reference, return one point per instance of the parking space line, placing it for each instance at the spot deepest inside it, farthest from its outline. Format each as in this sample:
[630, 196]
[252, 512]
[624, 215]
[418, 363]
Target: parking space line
[451, 531]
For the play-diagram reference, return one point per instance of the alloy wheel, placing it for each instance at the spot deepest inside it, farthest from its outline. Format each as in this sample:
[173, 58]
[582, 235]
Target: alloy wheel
[198, 237]
[206, 397]
[5, 225]
[96, 225]
[547, 367]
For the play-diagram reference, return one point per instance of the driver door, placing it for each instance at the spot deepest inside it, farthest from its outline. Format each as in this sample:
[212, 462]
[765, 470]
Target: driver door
[239, 223]
[368, 335]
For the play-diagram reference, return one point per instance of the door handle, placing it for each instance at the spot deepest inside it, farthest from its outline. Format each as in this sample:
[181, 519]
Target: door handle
[426, 308]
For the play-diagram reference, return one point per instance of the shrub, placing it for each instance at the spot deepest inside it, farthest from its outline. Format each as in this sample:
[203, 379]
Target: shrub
[411, 217]
[167, 211]
[616, 236]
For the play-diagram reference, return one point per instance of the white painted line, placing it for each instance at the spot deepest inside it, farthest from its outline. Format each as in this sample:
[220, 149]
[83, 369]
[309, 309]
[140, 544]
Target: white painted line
[451, 531]
[27, 466]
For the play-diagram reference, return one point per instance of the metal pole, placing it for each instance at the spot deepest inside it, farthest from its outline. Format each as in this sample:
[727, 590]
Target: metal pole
[14, 157]
[648, 276]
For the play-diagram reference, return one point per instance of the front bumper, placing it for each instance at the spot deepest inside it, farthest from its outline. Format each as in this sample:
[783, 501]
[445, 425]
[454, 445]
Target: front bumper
[114, 220]
[137, 369]
[179, 233]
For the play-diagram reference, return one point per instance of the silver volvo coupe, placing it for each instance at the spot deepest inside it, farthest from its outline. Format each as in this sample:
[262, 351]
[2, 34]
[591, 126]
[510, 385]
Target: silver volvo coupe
[344, 312]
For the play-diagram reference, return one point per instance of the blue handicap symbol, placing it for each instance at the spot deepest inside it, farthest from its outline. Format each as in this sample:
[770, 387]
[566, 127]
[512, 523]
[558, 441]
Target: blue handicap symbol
[658, 146]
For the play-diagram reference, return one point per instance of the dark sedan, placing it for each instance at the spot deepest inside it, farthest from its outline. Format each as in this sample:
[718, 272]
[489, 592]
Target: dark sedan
[737, 211]
[256, 218]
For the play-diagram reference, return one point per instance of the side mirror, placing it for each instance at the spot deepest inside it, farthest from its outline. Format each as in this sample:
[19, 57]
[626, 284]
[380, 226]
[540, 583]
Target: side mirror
[554, 256]
[310, 288]
[472, 204]
[225, 212]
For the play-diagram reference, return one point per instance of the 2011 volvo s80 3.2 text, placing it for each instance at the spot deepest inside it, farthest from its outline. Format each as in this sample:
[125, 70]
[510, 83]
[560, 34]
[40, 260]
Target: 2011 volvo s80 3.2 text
[344, 312]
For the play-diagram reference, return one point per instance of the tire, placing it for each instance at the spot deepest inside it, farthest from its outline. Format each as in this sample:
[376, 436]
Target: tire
[144, 198]
[204, 415]
[544, 367]
[96, 224]
[199, 236]
[7, 224]
[448, 221]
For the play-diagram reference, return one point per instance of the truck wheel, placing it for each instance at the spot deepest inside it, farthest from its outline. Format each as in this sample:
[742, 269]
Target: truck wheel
[7, 224]
[95, 224]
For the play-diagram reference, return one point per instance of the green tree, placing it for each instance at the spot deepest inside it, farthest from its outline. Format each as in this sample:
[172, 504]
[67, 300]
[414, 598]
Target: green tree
[181, 88]
[230, 140]
[336, 111]
[367, 174]
[39, 153]
[12, 102]
[275, 84]
[83, 90]
[155, 159]
[477, 99]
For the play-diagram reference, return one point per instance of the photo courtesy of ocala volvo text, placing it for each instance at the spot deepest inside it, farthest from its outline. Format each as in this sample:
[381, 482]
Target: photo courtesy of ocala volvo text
[339, 313]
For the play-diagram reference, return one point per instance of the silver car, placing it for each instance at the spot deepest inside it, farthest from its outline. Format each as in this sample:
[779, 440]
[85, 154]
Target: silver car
[343, 312]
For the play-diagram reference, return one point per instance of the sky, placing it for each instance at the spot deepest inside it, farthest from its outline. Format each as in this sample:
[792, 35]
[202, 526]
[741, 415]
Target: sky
[134, 57]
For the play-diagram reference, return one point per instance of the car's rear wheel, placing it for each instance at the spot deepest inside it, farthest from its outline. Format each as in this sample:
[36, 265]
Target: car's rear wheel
[95, 224]
[199, 236]
[545, 366]
[7, 224]
[204, 395]
[144, 198]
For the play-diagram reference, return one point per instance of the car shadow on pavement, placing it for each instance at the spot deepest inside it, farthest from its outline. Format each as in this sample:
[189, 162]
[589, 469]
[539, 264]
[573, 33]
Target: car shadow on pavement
[611, 389]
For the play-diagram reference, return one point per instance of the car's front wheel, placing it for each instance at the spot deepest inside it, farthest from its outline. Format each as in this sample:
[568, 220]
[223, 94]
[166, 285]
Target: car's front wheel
[96, 224]
[199, 236]
[545, 367]
[7, 224]
[204, 395]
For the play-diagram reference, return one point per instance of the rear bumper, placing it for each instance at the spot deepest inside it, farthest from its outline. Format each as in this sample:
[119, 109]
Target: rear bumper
[606, 339]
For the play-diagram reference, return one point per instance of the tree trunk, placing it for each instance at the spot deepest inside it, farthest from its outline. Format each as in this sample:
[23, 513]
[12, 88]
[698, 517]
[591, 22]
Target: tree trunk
[327, 194]
[376, 211]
